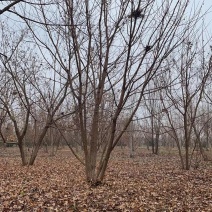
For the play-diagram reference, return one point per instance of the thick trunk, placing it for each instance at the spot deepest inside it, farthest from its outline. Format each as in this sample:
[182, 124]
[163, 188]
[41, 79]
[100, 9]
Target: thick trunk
[34, 155]
[103, 166]
[92, 163]
[93, 160]
[97, 177]
[37, 146]
[92, 170]
[180, 154]
[23, 154]
[103, 169]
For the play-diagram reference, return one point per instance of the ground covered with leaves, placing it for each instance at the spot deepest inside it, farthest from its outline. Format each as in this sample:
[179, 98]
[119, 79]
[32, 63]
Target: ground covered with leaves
[144, 183]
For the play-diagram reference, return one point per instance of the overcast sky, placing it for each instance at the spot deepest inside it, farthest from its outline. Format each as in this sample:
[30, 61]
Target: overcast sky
[207, 7]
[206, 21]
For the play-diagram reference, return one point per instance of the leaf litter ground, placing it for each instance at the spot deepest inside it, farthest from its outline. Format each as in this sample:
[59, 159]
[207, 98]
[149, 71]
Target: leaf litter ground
[144, 183]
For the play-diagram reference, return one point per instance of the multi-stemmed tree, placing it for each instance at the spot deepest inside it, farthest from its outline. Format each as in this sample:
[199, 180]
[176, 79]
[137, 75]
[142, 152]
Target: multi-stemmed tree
[27, 87]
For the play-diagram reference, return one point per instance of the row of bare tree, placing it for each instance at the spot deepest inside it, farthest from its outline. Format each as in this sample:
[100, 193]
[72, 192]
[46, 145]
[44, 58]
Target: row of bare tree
[85, 66]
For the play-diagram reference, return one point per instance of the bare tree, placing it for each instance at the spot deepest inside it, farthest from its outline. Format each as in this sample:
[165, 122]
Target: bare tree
[8, 6]
[154, 108]
[26, 88]
[3, 121]
[183, 98]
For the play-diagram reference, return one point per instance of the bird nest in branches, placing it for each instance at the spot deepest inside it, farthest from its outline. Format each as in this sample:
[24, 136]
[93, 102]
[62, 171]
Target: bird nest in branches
[136, 14]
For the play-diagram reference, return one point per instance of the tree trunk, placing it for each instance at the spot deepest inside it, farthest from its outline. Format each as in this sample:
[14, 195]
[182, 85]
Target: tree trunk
[200, 145]
[180, 153]
[157, 143]
[22, 152]
[52, 143]
[37, 146]
[132, 149]
[186, 156]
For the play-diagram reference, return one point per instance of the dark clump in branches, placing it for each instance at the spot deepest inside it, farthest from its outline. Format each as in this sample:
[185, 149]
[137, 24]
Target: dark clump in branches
[136, 14]
[148, 48]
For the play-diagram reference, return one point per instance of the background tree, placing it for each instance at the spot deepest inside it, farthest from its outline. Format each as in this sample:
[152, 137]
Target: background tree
[26, 88]
[155, 114]
[183, 98]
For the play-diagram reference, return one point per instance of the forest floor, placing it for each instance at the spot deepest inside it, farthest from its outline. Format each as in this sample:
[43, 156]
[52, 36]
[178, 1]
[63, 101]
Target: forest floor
[144, 183]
